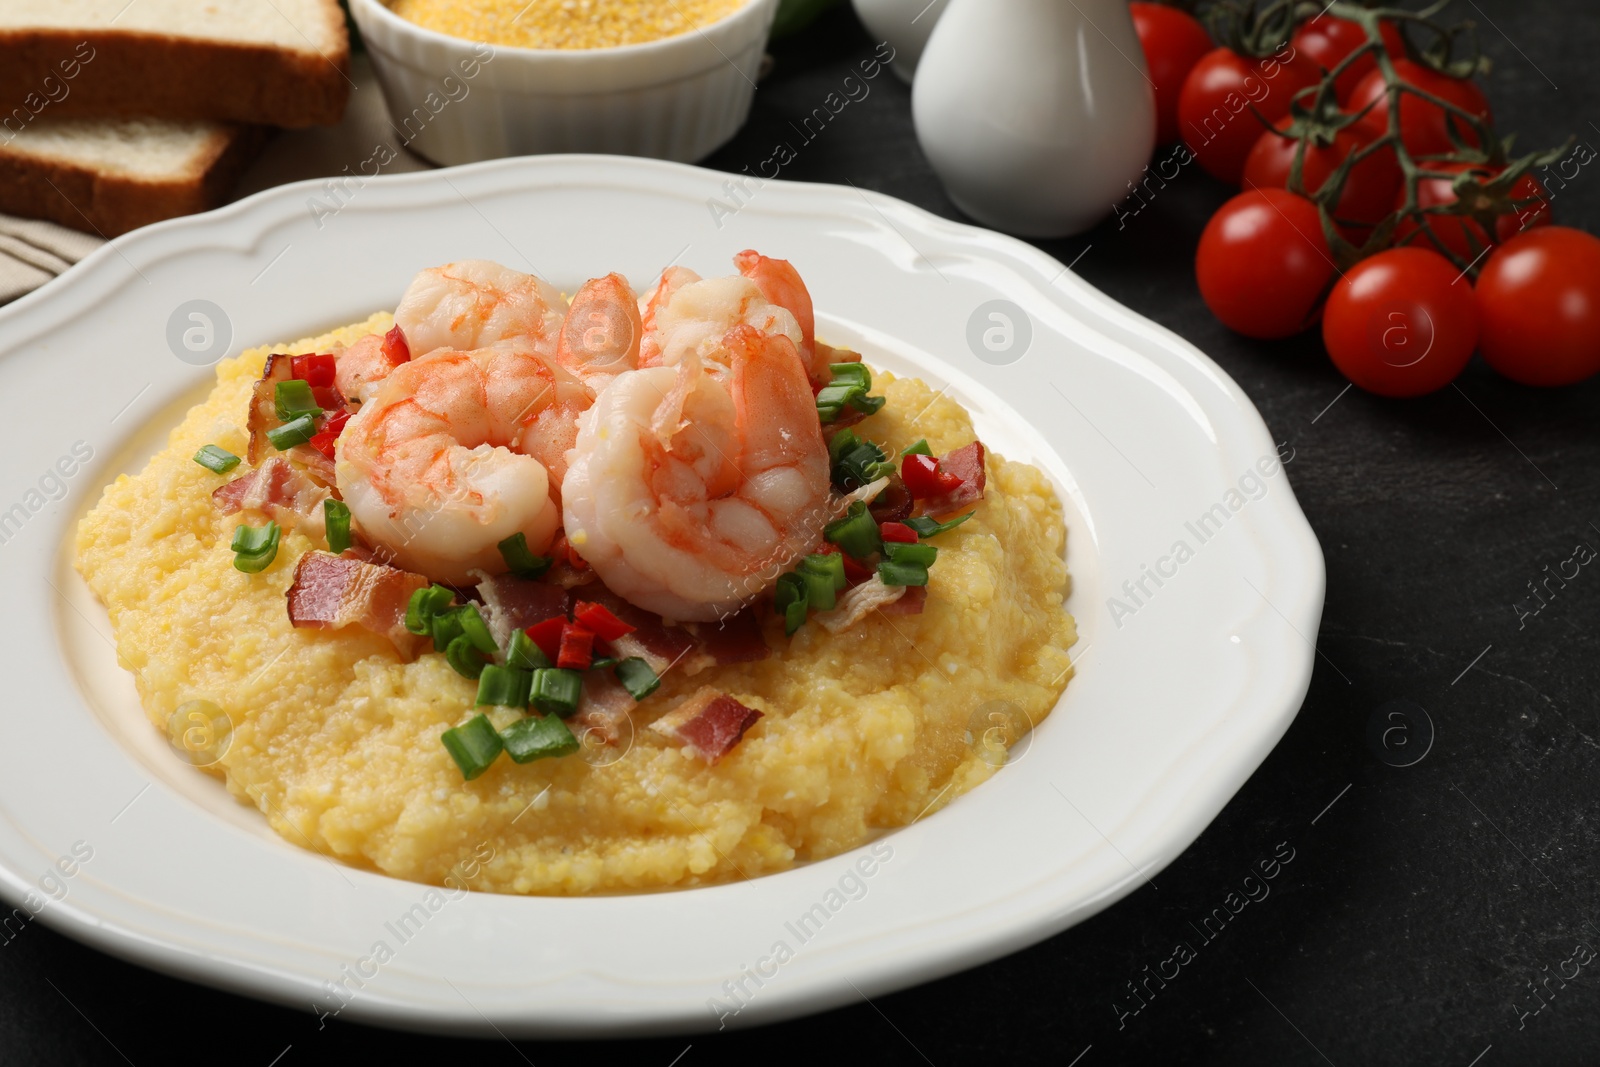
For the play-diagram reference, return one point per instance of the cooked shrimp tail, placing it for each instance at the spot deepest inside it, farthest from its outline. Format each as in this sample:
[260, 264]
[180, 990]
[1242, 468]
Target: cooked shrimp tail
[781, 283]
[601, 334]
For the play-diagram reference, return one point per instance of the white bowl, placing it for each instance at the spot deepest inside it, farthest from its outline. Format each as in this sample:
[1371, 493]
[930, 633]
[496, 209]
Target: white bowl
[459, 101]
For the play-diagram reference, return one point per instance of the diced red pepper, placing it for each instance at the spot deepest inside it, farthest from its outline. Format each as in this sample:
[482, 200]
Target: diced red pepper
[600, 620]
[547, 635]
[328, 397]
[334, 423]
[897, 531]
[854, 572]
[395, 348]
[577, 647]
[924, 478]
[315, 371]
[324, 442]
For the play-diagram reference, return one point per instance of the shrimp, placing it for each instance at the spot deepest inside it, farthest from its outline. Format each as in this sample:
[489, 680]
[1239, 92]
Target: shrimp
[689, 496]
[782, 284]
[475, 304]
[361, 368]
[600, 337]
[672, 279]
[694, 323]
[456, 452]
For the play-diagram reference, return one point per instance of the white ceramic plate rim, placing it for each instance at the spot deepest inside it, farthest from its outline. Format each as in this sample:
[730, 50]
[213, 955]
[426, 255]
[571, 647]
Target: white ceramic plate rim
[1155, 822]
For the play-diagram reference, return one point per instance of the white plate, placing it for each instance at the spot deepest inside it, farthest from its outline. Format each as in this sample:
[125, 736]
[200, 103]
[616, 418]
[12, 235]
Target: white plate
[1173, 707]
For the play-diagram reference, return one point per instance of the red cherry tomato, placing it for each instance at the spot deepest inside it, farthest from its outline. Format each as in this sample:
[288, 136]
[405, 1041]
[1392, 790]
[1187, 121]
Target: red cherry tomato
[1263, 264]
[1402, 323]
[1174, 41]
[1215, 109]
[1422, 125]
[1326, 40]
[1369, 190]
[1452, 230]
[1539, 296]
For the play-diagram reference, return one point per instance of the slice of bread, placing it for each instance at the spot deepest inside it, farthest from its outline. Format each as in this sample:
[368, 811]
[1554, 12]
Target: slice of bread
[273, 62]
[109, 176]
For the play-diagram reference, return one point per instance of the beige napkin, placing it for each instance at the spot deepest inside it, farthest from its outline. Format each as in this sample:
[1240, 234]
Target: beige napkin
[32, 253]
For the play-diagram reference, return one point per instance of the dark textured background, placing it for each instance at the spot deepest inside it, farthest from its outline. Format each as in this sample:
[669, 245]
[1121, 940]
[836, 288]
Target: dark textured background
[1416, 909]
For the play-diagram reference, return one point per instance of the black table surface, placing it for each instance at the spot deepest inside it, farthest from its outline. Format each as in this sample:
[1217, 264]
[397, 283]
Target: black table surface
[1430, 911]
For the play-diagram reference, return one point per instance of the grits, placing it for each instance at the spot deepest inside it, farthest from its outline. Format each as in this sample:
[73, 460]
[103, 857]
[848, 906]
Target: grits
[336, 740]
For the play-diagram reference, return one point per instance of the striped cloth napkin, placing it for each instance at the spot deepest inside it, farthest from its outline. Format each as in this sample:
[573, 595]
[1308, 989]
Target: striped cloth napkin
[31, 253]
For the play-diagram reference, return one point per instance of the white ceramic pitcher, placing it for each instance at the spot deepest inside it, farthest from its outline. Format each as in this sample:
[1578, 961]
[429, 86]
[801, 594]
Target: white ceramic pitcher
[905, 24]
[1036, 114]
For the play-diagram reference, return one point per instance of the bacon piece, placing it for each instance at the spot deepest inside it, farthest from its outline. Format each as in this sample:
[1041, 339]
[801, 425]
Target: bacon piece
[965, 463]
[263, 412]
[606, 711]
[278, 491]
[736, 639]
[895, 503]
[858, 602]
[912, 603]
[514, 603]
[330, 592]
[708, 724]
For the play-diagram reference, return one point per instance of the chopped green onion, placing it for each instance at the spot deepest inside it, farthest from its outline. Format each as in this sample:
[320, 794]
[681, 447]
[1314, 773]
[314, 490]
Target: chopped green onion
[445, 627]
[850, 384]
[217, 460]
[840, 443]
[601, 663]
[523, 654]
[829, 563]
[477, 630]
[919, 449]
[473, 745]
[295, 432]
[820, 593]
[466, 659]
[424, 605]
[556, 691]
[927, 527]
[893, 572]
[520, 560]
[789, 600]
[856, 533]
[920, 554]
[255, 547]
[860, 465]
[538, 737]
[336, 521]
[293, 398]
[855, 373]
[637, 677]
[505, 686]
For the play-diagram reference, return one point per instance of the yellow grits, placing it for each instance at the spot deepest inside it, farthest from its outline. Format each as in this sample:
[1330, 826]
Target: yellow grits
[336, 740]
[567, 24]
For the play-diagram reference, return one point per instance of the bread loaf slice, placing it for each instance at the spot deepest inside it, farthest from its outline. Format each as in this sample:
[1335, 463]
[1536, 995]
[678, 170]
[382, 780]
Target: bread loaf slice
[273, 62]
[109, 176]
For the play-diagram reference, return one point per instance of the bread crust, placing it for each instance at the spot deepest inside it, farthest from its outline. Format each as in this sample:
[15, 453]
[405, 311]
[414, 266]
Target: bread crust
[83, 198]
[174, 77]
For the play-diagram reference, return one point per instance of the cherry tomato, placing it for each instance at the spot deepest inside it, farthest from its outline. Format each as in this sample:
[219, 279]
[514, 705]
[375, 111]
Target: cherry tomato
[1401, 323]
[1174, 41]
[1539, 296]
[1263, 264]
[1452, 230]
[1369, 191]
[1214, 110]
[1326, 40]
[1422, 125]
